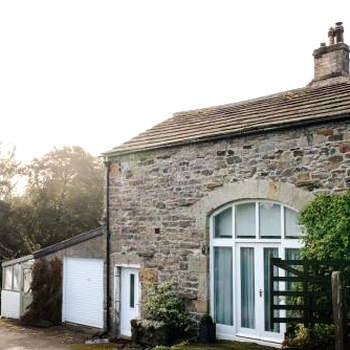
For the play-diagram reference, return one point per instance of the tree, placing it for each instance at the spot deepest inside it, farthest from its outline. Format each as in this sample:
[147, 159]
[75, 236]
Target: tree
[63, 197]
[10, 169]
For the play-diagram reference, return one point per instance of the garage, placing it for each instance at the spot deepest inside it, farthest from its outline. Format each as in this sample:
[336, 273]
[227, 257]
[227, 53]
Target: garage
[83, 291]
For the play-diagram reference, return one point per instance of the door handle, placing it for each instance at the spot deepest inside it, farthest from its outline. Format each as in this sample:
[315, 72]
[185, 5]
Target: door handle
[260, 293]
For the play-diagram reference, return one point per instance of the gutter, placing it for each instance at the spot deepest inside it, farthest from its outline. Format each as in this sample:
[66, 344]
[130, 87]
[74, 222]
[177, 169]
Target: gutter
[108, 236]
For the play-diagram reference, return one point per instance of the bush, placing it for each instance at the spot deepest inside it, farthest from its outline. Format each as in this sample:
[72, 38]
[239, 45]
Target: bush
[164, 304]
[46, 288]
[327, 223]
[321, 337]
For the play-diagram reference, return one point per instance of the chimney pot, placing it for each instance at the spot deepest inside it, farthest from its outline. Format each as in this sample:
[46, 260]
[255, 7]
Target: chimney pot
[332, 62]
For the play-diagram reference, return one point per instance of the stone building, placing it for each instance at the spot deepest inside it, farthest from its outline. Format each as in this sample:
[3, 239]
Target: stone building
[207, 196]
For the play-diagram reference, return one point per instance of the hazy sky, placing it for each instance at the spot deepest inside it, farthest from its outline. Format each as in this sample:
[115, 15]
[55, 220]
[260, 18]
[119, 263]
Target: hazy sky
[96, 73]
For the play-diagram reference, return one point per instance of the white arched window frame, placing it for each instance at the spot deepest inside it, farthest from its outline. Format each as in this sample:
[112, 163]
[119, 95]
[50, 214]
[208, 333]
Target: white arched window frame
[251, 233]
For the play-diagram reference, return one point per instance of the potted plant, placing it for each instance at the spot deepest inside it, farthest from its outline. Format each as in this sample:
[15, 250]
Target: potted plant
[207, 330]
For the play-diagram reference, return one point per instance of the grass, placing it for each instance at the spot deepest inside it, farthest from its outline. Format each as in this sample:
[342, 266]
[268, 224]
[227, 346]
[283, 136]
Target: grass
[221, 345]
[225, 345]
[92, 347]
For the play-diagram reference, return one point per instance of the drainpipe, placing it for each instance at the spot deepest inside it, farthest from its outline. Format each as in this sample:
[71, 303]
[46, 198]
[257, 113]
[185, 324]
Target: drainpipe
[107, 163]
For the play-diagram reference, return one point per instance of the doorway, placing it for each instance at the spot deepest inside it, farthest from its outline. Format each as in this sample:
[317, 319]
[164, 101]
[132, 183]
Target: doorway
[129, 295]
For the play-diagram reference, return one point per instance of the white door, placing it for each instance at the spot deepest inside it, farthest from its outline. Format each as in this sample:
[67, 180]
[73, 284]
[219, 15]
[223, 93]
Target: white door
[129, 299]
[83, 291]
[253, 292]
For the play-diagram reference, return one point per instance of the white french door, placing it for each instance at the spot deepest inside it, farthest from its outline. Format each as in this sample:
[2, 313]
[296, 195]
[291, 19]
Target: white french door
[253, 292]
[244, 235]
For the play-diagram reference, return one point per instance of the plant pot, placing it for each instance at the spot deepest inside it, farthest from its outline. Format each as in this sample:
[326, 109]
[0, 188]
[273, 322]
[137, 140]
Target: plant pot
[207, 333]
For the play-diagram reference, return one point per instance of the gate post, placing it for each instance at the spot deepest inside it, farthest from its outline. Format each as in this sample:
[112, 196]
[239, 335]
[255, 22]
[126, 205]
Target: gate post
[338, 310]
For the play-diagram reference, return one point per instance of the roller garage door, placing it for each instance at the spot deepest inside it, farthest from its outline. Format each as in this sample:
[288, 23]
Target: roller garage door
[83, 291]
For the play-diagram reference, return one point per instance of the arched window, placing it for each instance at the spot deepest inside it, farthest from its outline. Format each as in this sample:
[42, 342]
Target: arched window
[256, 219]
[244, 235]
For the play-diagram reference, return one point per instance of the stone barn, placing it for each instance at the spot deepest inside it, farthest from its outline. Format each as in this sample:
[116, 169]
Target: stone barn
[207, 196]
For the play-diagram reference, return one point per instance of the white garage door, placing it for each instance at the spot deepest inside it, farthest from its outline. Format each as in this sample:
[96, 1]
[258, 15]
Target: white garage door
[83, 291]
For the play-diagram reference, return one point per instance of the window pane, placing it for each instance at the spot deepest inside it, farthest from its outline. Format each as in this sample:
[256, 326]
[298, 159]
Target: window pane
[270, 252]
[223, 224]
[223, 285]
[292, 254]
[132, 290]
[292, 227]
[245, 220]
[8, 278]
[247, 288]
[270, 219]
[17, 277]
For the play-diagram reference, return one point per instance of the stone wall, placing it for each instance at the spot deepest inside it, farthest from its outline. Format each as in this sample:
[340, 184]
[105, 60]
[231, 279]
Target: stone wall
[156, 196]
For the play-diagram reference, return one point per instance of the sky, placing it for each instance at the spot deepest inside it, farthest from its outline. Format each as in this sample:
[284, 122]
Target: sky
[95, 73]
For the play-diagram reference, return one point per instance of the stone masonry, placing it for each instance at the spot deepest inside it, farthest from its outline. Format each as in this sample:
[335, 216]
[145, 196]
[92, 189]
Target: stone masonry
[153, 193]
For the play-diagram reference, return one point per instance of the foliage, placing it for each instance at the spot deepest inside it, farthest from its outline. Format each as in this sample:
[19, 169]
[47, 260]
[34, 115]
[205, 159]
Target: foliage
[10, 168]
[46, 288]
[63, 197]
[220, 345]
[327, 223]
[320, 337]
[166, 305]
[327, 237]
[178, 346]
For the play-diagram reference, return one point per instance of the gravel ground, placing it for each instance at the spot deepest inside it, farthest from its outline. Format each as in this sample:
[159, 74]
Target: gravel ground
[13, 336]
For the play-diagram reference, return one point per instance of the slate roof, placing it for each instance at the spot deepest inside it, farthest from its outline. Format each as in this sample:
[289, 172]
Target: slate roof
[82, 237]
[286, 109]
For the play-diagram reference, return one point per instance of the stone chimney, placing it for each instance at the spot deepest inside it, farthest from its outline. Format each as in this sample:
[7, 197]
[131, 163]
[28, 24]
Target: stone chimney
[332, 61]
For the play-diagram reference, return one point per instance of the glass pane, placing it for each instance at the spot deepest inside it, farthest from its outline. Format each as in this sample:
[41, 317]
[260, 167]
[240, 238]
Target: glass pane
[247, 288]
[16, 277]
[223, 224]
[8, 278]
[292, 227]
[270, 219]
[245, 220]
[270, 252]
[132, 290]
[223, 285]
[292, 254]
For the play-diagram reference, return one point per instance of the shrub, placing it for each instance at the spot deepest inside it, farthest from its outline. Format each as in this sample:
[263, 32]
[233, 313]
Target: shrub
[327, 223]
[321, 337]
[164, 304]
[46, 287]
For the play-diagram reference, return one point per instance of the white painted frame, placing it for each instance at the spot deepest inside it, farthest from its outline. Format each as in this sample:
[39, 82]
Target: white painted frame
[283, 242]
[117, 290]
